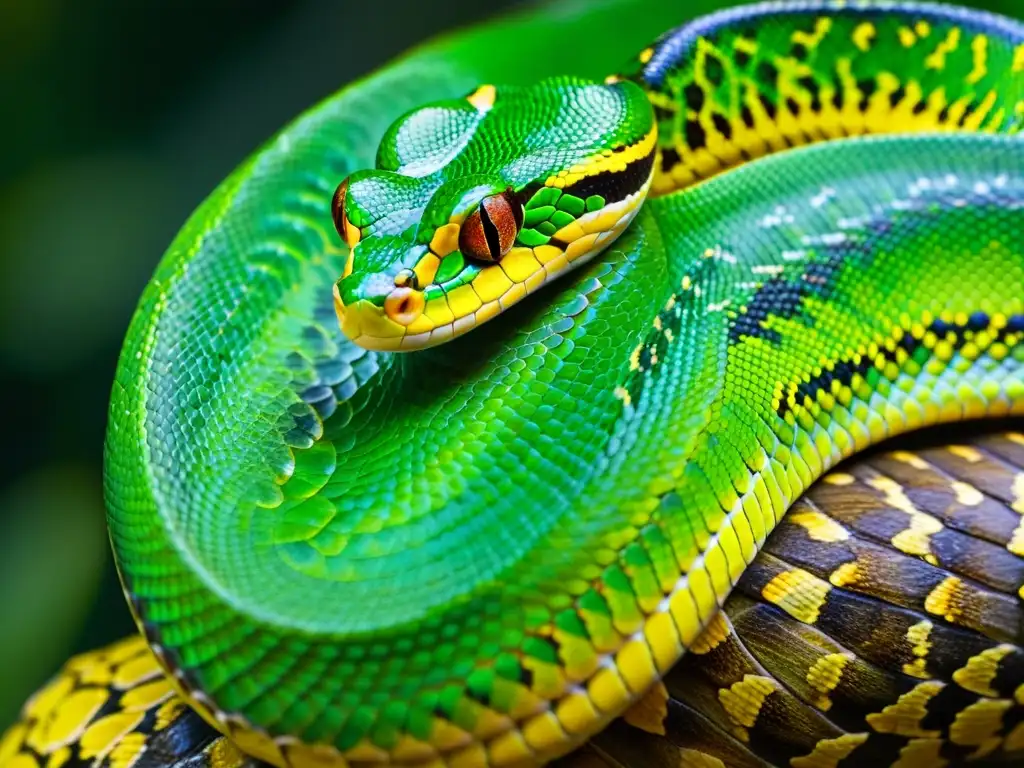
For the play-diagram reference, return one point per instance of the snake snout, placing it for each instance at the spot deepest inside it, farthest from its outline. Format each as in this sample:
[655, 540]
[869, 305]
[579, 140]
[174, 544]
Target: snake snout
[372, 310]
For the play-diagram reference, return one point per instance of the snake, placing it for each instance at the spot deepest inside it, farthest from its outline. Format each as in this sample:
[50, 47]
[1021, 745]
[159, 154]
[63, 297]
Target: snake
[459, 479]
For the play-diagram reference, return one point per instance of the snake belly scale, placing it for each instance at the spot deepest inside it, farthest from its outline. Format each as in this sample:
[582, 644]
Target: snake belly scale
[633, 342]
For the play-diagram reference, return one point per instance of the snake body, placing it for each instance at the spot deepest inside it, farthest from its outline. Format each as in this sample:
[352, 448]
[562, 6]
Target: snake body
[836, 647]
[483, 552]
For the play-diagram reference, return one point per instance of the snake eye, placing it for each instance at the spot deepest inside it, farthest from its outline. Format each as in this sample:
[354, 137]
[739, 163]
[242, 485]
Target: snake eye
[490, 231]
[348, 231]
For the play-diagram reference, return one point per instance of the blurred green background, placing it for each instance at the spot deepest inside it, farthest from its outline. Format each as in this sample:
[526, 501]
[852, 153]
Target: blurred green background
[121, 116]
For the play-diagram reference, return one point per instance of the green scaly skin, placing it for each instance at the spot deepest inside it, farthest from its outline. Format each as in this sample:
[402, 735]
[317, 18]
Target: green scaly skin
[480, 553]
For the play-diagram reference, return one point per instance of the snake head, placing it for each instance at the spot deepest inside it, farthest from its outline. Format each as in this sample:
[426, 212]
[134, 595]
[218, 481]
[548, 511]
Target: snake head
[475, 203]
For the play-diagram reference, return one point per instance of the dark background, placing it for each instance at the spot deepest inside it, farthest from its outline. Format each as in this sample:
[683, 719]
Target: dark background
[119, 116]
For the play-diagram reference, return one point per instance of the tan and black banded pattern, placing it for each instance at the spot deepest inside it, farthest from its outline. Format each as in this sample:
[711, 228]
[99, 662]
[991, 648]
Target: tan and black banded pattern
[114, 708]
[881, 625]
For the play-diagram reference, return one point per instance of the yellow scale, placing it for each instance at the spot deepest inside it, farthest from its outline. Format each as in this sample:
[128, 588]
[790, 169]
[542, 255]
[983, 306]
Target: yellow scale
[788, 128]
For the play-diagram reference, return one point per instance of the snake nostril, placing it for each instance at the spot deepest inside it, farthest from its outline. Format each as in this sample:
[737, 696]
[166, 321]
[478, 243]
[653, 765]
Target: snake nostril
[404, 305]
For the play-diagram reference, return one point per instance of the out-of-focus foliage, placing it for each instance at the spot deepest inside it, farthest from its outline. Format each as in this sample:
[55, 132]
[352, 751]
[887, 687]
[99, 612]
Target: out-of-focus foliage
[54, 550]
[119, 117]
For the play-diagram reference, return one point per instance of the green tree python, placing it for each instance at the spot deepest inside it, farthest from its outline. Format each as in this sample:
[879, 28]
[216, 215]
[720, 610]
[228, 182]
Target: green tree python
[461, 483]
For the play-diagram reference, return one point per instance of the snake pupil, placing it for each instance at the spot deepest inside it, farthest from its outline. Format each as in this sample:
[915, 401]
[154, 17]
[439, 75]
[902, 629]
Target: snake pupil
[491, 234]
